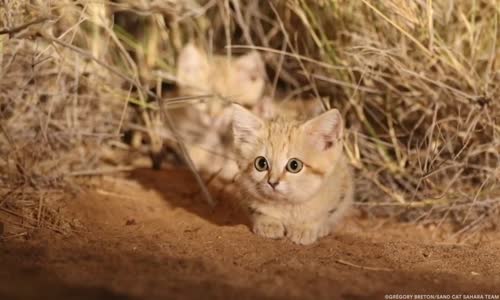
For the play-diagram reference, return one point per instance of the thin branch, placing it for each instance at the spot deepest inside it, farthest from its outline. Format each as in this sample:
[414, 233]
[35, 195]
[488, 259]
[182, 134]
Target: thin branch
[12, 31]
[346, 263]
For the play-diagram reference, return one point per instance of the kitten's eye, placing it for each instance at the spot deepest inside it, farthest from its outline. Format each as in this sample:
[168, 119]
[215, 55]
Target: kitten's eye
[294, 165]
[261, 164]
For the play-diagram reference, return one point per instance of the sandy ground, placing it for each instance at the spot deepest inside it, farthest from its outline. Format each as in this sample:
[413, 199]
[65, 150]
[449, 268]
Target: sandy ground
[149, 236]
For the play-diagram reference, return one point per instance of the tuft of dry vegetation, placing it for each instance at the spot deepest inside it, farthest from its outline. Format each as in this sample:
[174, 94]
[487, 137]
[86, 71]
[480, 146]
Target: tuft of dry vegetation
[417, 81]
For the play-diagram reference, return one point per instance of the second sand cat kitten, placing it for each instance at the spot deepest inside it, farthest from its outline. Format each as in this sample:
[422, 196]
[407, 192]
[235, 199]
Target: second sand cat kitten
[240, 79]
[293, 176]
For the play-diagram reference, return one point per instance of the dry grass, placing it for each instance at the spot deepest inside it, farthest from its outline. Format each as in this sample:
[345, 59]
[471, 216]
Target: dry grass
[418, 82]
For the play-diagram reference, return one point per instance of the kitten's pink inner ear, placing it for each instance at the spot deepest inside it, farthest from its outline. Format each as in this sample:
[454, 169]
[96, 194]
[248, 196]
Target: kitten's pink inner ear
[324, 131]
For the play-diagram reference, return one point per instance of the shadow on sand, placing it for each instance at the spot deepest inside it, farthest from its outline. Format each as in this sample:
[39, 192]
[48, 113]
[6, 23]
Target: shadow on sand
[179, 188]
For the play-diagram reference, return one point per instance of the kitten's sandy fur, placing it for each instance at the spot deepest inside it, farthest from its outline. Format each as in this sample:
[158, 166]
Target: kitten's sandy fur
[239, 79]
[313, 200]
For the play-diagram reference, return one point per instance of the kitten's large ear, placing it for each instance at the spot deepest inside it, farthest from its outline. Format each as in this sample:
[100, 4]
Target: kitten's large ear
[192, 65]
[251, 63]
[246, 125]
[324, 130]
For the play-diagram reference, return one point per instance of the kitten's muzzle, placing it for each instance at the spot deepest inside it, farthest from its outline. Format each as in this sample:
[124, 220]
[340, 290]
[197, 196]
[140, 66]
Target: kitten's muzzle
[273, 184]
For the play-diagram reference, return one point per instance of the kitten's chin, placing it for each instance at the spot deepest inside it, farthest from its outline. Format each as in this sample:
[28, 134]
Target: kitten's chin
[282, 198]
[275, 197]
[264, 195]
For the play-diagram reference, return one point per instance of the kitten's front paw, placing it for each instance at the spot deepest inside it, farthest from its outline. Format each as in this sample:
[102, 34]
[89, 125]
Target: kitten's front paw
[306, 234]
[268, 227]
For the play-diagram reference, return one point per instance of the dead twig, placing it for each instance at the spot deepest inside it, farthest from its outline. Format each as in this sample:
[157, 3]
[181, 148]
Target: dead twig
[102, 171]
[165, 116]
[12, 31]
[346, 263]
[3, 238]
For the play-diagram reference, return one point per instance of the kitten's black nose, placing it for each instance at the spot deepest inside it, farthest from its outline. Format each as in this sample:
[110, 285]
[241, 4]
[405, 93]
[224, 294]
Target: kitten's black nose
[273, 184]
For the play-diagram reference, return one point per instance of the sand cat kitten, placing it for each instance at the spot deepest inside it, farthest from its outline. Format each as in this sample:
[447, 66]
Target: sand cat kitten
[240, 79]
[293, 175]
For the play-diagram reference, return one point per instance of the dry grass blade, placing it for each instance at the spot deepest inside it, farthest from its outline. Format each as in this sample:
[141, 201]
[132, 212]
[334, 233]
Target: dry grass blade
[407, 34]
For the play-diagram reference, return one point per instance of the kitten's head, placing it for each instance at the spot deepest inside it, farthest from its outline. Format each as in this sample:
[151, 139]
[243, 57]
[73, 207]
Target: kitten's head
[241, 78]
[245, 79]
[283, 160]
